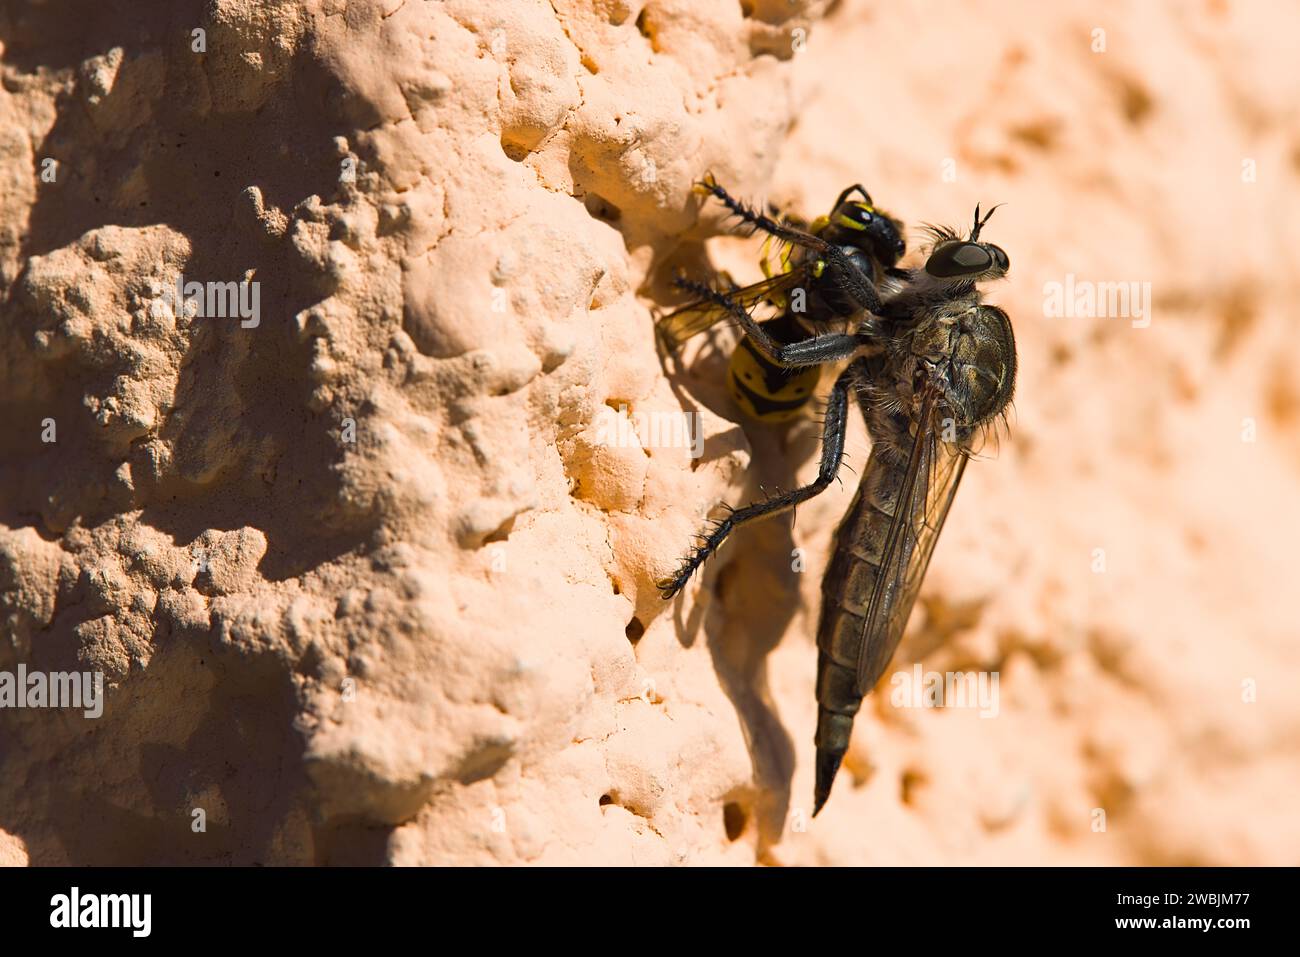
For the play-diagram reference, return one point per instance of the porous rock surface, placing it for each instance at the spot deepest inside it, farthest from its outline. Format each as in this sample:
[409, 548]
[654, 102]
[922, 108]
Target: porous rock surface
[368, 581]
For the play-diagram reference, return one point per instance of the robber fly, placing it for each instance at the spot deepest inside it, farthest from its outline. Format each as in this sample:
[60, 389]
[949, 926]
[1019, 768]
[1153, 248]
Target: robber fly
[808, 297]
[932, 367]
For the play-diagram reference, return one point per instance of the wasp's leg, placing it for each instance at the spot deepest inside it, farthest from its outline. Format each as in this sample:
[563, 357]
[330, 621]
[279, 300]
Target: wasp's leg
[845, 195]
[837, 413]
[807, 352]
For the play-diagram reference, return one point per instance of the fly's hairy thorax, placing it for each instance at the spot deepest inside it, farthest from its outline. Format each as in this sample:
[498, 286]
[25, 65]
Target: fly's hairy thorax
[961, 344]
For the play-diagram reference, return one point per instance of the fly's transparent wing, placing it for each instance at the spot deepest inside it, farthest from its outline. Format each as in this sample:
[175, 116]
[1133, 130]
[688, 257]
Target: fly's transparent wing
[676, 327]
[950, 463]
[934, 470]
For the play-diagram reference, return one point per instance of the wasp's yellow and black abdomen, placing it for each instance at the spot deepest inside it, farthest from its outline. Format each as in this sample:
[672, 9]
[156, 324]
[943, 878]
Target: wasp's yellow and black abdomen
[761, 388]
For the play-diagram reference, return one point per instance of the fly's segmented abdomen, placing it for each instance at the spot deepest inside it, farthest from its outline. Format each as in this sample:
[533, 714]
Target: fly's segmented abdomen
[846, 590]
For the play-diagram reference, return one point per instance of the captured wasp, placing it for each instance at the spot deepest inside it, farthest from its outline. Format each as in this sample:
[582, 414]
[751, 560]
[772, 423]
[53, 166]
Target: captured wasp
[810, 295]
[932, 367]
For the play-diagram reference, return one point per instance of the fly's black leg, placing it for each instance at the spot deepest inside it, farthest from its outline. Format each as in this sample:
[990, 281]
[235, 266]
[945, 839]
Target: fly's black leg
[851, 280]
[822, 349]
[848, 277]
[837, 414]
[808, 352]
[753, 217]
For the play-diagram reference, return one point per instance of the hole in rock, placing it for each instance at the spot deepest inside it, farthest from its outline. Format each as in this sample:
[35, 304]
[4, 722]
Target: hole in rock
[634, 630]
[734, 819]
[602, 208]
[910, 785]
[643, 25]
[502, 532]
[515, 151]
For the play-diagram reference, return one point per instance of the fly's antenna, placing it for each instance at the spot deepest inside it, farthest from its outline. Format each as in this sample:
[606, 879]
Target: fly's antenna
[979, 223]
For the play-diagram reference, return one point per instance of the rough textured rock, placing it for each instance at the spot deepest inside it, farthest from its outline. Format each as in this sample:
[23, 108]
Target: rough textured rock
[368, 581]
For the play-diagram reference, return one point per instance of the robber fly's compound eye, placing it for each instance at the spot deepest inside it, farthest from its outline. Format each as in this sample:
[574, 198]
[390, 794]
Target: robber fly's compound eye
[958, 259]
[1000, 258]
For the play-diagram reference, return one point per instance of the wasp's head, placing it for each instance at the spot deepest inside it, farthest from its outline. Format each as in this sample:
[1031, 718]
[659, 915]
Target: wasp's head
[954, 258]
[872, 230]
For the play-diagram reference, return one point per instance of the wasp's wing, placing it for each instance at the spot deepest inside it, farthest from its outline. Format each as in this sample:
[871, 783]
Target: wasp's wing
[934, 470]
[690, 320]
